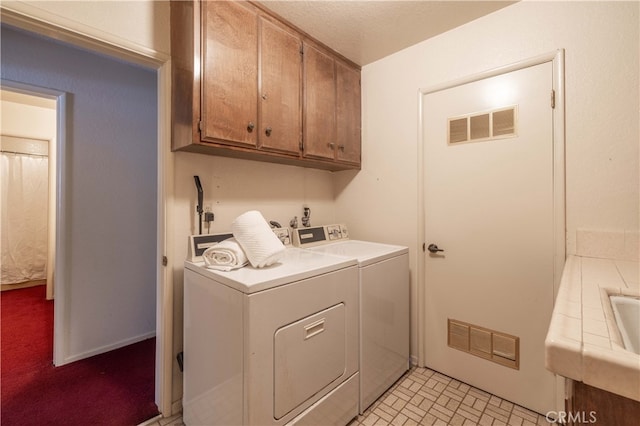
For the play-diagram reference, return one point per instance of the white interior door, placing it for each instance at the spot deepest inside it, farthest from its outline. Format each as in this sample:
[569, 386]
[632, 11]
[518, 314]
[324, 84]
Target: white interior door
[489, 204]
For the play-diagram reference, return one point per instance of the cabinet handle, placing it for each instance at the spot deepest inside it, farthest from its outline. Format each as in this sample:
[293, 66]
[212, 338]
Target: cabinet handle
[267, 131]
[250, 127]
[341, 148]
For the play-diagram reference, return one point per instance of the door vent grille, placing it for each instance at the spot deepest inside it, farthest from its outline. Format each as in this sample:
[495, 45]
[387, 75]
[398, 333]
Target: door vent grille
[458, 130]
[488, 125]
[501, 348]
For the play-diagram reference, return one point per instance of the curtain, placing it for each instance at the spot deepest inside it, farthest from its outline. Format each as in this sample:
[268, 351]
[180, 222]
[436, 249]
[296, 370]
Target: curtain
[23, 213]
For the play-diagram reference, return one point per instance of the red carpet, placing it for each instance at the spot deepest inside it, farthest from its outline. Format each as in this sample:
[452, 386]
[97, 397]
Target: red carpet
[115, 388]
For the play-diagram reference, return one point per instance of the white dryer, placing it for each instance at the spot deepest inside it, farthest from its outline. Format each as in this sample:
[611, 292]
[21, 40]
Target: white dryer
[272, 346]
[384, 304]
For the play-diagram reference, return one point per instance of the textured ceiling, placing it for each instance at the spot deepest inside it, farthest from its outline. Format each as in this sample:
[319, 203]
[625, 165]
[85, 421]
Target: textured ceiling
[365, 31]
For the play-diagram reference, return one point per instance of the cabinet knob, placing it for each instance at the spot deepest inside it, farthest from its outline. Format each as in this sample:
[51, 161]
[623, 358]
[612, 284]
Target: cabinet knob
[341, 148]
[267, 131]
[264, 96]
[331, 145]
[250, 127]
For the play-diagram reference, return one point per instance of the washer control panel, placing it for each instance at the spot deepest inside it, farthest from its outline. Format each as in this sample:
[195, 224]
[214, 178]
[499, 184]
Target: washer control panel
[318, 235]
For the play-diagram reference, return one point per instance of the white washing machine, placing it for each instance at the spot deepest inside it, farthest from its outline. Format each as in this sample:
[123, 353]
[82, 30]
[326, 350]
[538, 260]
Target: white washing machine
[384, 304]
[272, 346]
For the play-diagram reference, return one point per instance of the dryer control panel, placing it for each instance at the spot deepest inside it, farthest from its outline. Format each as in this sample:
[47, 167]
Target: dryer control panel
[199, 243]
[318, 235]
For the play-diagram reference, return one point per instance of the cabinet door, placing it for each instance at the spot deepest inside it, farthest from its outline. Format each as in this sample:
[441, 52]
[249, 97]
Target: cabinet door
[229, 73]
[347, 113]
[280, 88]
[319, 104]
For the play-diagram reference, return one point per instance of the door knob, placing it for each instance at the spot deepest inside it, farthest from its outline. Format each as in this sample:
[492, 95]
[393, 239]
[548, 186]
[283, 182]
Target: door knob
[433, 248]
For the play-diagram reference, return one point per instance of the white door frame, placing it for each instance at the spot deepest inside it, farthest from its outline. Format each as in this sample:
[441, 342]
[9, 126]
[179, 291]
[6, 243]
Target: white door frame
[557, 60]
[165, 175]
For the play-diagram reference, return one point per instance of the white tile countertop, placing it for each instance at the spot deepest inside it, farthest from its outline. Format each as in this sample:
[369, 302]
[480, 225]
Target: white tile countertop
[583, 342]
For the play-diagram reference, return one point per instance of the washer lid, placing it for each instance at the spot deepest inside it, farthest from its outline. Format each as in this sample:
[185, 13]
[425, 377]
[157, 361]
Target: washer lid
[296, 264]
[364, 251]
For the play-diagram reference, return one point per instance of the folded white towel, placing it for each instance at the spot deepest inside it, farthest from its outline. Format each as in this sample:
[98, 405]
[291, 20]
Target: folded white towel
[258, 241]
[225, 256]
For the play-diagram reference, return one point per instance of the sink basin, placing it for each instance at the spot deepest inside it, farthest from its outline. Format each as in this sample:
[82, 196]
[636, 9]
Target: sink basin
[627, 312]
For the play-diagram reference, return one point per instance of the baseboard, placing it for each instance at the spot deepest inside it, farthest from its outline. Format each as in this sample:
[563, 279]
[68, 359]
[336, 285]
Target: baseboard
[413, 359]
[176, 407]
[107, 348]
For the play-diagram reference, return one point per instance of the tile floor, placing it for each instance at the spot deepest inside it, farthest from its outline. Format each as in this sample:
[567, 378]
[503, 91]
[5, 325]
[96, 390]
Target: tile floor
[426, 397]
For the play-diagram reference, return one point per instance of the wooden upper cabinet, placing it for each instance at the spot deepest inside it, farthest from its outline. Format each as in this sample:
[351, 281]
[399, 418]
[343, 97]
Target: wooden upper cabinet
[331, 108]
[279, 100]
[247, 84]
[348, 113]
[319, 104]
[229, 73]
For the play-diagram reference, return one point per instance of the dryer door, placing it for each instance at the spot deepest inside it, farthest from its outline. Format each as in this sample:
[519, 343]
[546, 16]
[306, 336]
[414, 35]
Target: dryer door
[308, 355]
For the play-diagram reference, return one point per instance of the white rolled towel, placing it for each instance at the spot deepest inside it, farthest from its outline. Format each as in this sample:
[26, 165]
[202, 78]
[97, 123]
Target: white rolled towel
[256, 238]
[225, 256]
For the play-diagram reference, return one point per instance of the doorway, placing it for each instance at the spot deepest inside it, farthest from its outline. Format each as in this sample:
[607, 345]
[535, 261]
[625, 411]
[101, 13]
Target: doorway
[28, 148]
[32, 96]
[493, 220]
[106, 268]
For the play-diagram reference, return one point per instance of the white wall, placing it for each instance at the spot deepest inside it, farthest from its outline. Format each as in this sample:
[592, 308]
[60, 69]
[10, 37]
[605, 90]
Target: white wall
[601, 42]
[28, 121]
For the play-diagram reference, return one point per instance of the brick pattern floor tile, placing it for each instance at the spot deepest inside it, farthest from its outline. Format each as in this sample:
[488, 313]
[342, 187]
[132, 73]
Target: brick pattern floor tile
[426, 397]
